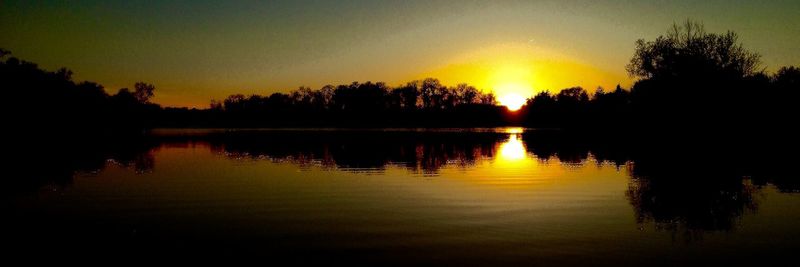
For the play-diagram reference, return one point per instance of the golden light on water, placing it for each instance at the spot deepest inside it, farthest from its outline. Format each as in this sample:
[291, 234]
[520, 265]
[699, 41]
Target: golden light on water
[513, 130]
[512, 150]
[512, 165]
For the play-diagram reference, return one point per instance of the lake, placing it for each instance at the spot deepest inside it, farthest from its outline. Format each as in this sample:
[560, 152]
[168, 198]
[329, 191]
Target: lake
[395, 196]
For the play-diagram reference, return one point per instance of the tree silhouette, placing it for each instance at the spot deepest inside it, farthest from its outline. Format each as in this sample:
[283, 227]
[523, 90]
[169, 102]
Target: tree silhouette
[693, 79]
[687, 79]
[689, 51]
[788, 77]
[143, 92]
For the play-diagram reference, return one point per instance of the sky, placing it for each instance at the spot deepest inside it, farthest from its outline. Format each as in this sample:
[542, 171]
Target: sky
[195, 51]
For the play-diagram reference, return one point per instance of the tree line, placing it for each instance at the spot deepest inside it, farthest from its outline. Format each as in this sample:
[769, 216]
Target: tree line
[40, 99]
[687, 78]
[424, 102]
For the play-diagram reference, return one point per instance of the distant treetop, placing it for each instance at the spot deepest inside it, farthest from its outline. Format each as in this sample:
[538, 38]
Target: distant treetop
[689, 51]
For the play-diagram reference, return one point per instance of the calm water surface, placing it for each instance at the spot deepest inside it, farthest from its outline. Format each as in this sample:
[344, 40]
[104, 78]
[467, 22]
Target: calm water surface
[453, 196]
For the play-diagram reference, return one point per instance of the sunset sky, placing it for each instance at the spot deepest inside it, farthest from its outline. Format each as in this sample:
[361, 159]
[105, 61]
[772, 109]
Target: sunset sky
[194, 51]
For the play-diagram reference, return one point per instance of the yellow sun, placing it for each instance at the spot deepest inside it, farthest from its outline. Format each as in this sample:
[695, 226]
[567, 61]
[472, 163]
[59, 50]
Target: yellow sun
[512, 83]
[517, 70]
[512, 101]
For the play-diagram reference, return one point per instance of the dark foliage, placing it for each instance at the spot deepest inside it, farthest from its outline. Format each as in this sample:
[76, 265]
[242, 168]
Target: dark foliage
[418, 103]
[688, 79]
[694, 88]
[44, 100]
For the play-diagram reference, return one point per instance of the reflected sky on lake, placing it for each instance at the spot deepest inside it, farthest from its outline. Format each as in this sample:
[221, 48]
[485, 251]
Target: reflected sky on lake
[496, 196]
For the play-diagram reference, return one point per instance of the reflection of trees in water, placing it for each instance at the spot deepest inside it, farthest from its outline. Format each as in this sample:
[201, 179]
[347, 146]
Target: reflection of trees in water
[679, 190]
[689, 207]
[679, 186]
[54, 161]
[424, 153]
[689, 192]
[140, 163]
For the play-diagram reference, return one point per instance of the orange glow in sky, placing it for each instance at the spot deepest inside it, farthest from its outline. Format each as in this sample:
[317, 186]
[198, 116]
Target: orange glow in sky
[517, 71]
[218, 48]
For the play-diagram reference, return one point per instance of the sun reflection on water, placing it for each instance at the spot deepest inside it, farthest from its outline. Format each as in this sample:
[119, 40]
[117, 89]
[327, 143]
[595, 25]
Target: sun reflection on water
[512, 166]
[513, 149]
[513, 130]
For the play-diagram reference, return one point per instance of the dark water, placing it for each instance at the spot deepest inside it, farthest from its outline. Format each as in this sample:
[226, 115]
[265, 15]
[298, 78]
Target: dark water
[394, 196]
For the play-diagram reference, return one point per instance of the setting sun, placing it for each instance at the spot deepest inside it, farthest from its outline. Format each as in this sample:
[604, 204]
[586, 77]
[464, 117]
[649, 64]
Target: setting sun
[515, 71]
[342, 132]
[512, 82]
[512, 101]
